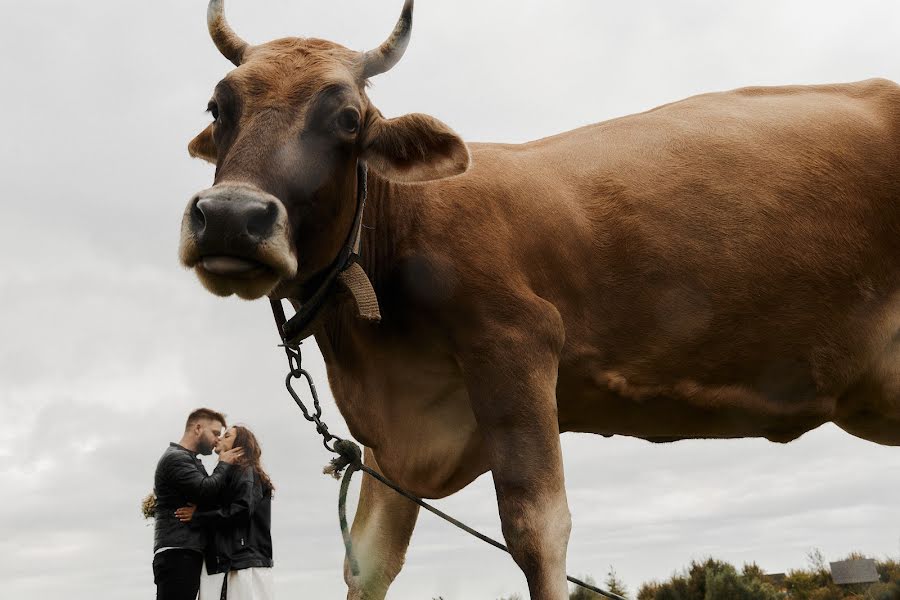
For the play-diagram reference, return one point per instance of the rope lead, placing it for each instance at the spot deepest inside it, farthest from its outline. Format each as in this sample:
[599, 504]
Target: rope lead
[342, 517]
[349, 457]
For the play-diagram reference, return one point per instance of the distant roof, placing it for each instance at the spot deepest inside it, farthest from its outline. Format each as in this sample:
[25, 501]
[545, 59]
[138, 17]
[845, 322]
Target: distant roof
[860, 570]
[776, 578]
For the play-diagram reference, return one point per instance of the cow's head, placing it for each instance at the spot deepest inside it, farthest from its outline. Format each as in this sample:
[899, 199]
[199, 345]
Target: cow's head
[289, 124]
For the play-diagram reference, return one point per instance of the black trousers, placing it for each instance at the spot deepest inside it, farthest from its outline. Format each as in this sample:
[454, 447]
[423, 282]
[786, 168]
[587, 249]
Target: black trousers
[176, 574]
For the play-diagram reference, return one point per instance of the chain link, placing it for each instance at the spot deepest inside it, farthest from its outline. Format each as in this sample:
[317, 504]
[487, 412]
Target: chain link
[295, 362]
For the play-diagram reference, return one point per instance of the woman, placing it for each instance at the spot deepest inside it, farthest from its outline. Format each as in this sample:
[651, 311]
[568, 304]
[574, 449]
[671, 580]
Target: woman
[239, 549]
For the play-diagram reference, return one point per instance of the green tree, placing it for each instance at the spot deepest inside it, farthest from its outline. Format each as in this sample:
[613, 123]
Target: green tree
[754, 572]
[801, 585]
[816, 561]
[613, 584]
[727, 584]
[712, 580]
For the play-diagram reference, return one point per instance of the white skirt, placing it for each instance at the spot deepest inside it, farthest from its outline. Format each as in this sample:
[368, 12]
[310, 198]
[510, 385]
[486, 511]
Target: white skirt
[255, 583]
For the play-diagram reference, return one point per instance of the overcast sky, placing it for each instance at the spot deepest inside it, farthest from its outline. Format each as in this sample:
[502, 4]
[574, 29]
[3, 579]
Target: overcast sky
[107, 342]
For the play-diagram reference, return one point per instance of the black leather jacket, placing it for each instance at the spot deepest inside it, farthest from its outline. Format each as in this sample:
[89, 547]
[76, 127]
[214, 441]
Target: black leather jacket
[239, 531]
[180, 479]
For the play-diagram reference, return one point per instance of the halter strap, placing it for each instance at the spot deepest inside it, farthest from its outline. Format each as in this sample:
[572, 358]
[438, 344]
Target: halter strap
[345, 268]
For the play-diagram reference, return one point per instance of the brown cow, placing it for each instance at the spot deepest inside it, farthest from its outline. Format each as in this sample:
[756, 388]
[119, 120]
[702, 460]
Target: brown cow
[724, 266]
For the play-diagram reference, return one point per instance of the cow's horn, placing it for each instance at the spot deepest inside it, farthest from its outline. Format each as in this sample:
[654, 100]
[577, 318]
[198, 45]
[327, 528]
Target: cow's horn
[391, 51]
[227, 41]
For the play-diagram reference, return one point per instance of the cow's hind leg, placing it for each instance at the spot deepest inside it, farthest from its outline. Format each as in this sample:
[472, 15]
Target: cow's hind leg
[381, 530]
[511, 374]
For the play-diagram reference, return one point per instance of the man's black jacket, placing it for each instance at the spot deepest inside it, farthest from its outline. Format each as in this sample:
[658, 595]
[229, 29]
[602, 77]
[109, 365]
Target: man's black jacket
[180, 479]
[240, 529]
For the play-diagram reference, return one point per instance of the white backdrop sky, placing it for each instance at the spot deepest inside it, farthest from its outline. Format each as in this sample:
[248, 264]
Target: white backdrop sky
[107, 343]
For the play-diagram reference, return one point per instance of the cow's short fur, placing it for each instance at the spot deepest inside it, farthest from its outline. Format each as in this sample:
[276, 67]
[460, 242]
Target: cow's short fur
[724, 266]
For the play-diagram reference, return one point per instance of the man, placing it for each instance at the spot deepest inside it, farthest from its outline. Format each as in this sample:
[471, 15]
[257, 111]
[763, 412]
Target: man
[181, 479]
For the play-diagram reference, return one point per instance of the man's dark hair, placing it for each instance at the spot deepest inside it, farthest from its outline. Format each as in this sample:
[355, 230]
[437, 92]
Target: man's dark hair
[204, 413]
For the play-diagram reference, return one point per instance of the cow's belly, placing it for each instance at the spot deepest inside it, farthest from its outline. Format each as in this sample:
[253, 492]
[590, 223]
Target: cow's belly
[850, 374]
[608, 403]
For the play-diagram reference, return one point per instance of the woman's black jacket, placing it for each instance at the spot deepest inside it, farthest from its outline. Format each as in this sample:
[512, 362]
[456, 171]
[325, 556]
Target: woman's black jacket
[239, 531]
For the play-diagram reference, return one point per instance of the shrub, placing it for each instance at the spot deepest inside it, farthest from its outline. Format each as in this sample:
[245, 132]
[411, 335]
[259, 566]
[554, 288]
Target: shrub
[883, 591]
[888, 570]
[712, 580]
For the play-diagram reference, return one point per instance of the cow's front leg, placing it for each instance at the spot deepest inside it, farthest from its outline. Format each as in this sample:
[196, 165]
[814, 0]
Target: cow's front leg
[381, 530]
[511, 377]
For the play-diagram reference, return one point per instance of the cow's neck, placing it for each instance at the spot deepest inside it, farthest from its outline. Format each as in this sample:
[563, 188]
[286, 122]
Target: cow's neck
[389, 220]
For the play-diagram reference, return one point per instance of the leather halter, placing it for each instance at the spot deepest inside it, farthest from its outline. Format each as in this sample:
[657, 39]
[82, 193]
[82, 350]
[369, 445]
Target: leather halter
[345, 269]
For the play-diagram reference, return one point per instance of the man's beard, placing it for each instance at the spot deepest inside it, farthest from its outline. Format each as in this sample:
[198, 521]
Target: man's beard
[204, 447]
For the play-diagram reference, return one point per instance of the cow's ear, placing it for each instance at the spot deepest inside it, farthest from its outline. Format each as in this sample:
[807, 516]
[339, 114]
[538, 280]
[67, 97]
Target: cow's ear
[413, 147]
[203, 146]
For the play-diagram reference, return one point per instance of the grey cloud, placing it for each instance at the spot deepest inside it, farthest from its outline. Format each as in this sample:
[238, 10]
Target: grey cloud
[108, 343]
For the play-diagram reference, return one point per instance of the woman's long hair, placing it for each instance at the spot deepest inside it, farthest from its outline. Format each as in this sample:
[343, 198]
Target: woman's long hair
[245, 439]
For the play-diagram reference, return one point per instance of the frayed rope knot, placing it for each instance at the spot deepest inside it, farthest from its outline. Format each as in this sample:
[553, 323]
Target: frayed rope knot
[348, 454]
[349, 458]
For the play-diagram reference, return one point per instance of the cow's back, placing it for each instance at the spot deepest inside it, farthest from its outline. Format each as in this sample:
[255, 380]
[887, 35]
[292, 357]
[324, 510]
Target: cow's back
[736, 248]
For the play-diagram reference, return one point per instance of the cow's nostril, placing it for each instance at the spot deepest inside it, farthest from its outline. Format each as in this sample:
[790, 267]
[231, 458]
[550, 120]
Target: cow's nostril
[261, 219]
[198, 219]
[223, 220]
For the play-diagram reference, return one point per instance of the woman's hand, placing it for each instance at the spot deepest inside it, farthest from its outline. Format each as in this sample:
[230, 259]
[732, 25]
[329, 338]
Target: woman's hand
[231, 456]
[186, 513]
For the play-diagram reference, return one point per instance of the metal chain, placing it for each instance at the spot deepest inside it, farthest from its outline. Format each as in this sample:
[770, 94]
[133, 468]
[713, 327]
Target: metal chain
[295, 362]
[349, 456]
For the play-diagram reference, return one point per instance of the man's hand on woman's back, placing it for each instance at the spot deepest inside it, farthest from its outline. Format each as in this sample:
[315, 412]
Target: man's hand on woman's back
[186, 513]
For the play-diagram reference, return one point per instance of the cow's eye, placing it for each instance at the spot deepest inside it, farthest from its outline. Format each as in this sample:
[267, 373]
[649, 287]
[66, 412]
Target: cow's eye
[213, 109]
[348, 120]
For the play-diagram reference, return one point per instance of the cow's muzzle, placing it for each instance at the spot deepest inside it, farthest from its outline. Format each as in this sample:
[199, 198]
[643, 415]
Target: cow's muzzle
[235, 237]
